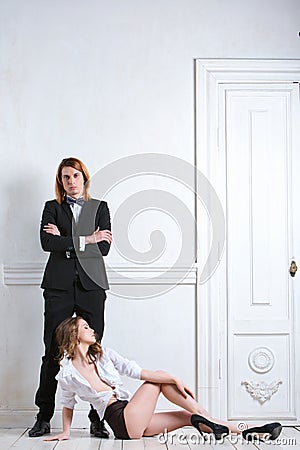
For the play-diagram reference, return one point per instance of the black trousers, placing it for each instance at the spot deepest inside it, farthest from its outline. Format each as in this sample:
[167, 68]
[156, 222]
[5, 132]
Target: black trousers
[59, 305]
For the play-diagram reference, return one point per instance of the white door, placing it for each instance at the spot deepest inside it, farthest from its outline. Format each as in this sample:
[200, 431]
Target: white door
[259, 142]
[247, 123]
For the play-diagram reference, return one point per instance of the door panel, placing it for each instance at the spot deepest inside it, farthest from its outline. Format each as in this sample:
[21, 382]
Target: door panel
[248, 315]
[261, 370]
[258, 131]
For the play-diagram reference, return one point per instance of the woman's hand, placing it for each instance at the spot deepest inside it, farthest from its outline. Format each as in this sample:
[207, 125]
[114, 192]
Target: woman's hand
[50, 228]
[98, 236]
[183, 389]
[67, 415]
[59, 437]
[160, 376]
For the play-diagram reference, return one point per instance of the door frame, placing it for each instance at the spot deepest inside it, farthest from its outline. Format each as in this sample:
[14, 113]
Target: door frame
[211, 314]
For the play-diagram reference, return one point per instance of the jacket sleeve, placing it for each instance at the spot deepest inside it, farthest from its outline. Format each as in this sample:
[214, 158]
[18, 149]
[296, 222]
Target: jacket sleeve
[123, 365]
[104, 223]
[49, 242]
[101, 219]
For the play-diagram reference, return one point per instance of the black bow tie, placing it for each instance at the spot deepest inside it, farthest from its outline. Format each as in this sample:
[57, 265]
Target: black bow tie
[72, 201]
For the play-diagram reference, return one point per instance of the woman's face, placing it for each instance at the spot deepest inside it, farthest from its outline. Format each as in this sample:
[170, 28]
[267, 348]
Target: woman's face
[86, 335]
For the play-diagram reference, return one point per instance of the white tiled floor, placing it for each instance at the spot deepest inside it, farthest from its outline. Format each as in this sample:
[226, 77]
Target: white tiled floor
[183, 439]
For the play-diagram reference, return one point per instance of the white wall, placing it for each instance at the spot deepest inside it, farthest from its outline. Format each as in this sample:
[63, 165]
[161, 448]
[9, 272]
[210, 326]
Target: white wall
[102, 80]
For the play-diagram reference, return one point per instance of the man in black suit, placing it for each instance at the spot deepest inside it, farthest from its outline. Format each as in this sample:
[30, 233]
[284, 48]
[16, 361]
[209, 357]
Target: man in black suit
[76, 230]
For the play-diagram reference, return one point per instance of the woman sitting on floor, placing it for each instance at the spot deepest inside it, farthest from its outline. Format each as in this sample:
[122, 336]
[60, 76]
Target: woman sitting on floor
[93, 373]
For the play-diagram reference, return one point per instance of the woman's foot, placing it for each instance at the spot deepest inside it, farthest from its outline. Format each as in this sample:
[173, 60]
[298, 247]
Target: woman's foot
[219, 430]
[269, 431]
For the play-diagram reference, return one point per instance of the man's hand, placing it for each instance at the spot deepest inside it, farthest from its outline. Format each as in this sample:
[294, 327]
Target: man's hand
[98, 236]
[51, 229]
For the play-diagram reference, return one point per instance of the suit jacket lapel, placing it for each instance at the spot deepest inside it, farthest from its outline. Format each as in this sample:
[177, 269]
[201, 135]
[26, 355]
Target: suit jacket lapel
[66, 207]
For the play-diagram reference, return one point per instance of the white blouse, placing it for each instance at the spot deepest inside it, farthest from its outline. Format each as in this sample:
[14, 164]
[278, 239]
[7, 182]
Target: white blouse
[110, 366]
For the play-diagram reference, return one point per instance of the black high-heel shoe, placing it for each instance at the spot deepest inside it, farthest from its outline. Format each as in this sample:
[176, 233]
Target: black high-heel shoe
[219, 430]
[270, 431]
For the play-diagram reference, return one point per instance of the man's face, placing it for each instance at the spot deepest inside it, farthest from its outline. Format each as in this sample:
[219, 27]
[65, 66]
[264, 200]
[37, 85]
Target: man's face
[72, 181]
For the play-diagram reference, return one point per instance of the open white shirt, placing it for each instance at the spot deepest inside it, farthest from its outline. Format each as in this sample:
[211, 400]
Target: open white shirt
[110, 366]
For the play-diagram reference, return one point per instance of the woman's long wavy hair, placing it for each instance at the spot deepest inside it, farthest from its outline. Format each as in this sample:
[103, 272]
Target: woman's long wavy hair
[67, 339]
[78, 165]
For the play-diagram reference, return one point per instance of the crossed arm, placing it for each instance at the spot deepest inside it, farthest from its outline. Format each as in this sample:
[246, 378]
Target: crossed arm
[97, 236]
[54, 240]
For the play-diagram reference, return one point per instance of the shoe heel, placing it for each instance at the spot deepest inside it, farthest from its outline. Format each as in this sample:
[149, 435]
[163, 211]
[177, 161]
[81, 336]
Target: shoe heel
[270, 431]
[275, 433]
[218, 430]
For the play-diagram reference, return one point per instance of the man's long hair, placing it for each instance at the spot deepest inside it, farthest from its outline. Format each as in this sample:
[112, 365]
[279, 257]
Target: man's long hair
[78, 165]
[67, 339]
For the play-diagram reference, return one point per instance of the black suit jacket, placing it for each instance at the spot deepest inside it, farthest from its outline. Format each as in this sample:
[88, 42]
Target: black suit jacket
[60, 271]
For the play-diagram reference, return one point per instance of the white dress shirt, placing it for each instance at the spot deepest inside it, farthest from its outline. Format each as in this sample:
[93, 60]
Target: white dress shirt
[76, 211]
[110, 366]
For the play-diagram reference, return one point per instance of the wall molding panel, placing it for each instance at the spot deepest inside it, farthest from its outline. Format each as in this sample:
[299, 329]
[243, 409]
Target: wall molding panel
[261, 390]
[30, 273]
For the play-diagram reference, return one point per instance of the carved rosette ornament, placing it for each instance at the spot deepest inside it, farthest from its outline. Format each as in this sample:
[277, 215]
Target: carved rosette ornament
[262, 391]
[261, 360]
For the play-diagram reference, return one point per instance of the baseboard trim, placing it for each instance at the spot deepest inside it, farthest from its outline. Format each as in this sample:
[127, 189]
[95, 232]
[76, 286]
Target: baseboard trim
[26, 418]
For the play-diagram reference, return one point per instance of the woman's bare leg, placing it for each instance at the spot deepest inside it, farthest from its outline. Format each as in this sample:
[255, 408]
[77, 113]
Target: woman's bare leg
[140, 418]
[140, 409]
[167, 421]
[171, 392]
